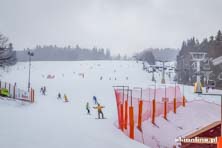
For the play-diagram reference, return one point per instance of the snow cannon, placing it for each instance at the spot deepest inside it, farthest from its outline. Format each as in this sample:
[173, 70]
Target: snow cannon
[198, 87]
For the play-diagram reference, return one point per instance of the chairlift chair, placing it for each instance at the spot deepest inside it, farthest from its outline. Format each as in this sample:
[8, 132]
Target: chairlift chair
[211, 84]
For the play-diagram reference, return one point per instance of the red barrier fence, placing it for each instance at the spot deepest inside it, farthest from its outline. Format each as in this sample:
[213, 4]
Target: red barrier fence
[134, 106]
[17, 93]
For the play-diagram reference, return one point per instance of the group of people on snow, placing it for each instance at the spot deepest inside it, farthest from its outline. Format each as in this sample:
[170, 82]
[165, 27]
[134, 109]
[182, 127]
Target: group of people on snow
[98, 107]
[65, 97]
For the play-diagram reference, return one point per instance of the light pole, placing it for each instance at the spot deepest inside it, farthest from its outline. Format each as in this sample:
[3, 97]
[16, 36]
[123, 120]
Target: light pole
[30, 54]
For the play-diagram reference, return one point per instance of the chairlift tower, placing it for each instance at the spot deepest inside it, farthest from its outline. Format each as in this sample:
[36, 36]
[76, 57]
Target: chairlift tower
[198, 57]
[153, 77]
[163, 72]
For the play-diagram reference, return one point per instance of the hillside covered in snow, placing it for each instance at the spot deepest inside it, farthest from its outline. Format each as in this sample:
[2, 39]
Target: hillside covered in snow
[51, 122]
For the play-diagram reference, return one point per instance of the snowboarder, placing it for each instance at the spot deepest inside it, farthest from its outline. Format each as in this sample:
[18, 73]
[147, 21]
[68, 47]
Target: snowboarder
[87, 108]
[99, 109]
[95, 100]
[66, 98]
[59, 96]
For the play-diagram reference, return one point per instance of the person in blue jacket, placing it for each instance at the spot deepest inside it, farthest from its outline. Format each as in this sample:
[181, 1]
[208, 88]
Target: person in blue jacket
[95, 100]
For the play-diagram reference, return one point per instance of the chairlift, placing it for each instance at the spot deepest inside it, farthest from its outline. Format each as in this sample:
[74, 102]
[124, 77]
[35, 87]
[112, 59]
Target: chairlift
[198, 56]
[211, 84]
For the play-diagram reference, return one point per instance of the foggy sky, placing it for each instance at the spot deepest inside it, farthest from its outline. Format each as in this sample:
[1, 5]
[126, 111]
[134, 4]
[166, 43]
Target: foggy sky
[124, 26]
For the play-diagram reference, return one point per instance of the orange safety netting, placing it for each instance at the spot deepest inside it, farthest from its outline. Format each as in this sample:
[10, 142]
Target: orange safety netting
[136, 106]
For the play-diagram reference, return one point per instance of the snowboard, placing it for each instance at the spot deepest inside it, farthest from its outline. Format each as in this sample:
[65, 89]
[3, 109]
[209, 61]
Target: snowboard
[100, 118]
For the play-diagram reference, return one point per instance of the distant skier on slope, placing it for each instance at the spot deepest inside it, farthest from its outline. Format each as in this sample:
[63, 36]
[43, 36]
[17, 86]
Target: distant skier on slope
[44, 90]
[59, 96]
[88, 108]
[99, 109]
[66, 98]
[95, 100]
[41, 90]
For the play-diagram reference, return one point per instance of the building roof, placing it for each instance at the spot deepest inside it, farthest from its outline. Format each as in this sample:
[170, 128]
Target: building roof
[204, 129]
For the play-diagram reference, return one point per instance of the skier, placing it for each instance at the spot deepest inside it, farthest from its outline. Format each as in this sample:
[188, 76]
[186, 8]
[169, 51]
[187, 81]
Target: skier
[66, 98]
[44, 90]
[87, 108]
[101, 77]
[95, 100]
[41, 90]
[99, 108]
[59, 96]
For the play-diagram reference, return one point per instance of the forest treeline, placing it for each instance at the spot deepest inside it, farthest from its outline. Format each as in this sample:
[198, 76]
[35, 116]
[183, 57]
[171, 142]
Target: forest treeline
[151, 55]
[186, 69]
[55, 53]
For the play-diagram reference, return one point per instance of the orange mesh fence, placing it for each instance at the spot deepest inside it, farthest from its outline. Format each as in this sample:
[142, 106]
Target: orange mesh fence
[133, 110]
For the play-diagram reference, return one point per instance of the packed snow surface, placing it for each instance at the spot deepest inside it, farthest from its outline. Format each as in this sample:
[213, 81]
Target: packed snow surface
[51, 122]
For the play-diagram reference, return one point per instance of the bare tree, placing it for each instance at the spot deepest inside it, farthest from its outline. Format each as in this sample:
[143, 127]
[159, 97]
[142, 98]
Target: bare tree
[7, 55]
[3, 42]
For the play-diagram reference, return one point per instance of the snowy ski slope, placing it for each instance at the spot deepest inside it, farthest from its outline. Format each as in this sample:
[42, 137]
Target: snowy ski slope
[50, 122]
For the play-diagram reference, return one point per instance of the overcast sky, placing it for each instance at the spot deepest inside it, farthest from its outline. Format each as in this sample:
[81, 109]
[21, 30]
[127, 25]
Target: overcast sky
[124, 26]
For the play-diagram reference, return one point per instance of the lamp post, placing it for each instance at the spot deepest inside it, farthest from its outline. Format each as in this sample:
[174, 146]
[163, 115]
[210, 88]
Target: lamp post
[30, 54]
